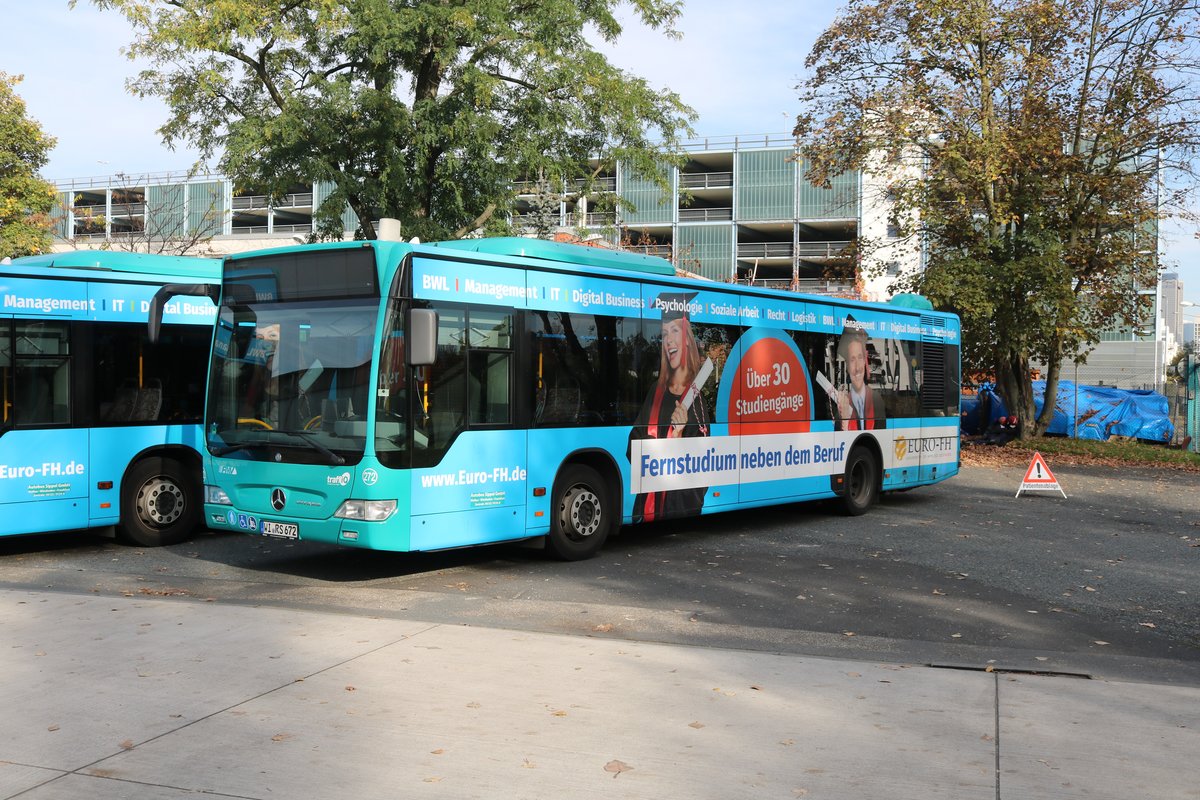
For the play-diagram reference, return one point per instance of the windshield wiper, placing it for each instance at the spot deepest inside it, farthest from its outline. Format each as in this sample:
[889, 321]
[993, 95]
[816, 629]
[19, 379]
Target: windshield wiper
[333, 457]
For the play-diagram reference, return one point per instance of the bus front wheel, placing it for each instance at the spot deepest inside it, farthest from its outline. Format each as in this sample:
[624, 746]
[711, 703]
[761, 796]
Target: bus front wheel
[861, 482]
[582, 515]
[160, 503]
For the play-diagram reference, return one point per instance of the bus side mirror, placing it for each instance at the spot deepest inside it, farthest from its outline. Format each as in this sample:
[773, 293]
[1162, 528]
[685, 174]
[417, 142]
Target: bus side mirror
[422, 337]
[159, 302]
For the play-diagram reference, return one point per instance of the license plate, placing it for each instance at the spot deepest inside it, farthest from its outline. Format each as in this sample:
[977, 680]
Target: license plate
[285, 530]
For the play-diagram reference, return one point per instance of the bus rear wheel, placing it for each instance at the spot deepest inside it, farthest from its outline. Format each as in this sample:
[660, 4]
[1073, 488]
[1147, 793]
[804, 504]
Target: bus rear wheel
[582, 515]
[861, 482]
[160, 503]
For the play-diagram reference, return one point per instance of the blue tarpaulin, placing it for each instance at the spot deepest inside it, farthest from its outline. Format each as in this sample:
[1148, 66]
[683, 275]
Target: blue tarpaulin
[1102, 412]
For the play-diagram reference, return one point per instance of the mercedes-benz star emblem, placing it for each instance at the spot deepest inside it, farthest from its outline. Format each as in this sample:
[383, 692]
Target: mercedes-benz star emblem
[278, 499]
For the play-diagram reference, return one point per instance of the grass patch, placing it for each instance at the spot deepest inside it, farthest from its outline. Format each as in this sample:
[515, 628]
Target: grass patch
[1083, 451]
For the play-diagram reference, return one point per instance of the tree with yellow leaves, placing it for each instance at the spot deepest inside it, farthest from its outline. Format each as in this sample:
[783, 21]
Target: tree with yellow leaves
[25, 199]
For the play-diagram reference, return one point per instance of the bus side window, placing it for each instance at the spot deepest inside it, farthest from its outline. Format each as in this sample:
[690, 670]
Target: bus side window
[6, 369]
[440, 404]
[136, 382]
[489, 337]
[42, 385]
[584, 369]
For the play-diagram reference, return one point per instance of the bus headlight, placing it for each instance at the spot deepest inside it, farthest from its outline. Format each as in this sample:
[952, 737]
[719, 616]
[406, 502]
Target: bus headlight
[216, 495]
[368, 510]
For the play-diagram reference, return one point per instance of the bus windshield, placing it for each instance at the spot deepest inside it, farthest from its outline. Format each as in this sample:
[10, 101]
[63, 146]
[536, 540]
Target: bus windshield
[289, 380]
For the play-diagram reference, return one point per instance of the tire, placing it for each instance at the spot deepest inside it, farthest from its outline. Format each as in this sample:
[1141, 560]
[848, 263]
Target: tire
[160, 503]
[581, 514]
[861, 482]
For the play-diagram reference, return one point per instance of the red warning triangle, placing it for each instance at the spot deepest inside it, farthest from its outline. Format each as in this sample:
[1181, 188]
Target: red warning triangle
[1038, 472]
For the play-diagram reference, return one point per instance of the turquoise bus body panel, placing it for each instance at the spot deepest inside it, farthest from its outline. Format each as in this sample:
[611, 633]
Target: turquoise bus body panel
[44, 478]
[112, 449]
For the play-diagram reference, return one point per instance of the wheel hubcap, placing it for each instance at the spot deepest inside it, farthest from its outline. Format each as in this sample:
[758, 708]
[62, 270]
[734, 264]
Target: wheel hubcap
[856, 480]
[581, 512]
[159, 502]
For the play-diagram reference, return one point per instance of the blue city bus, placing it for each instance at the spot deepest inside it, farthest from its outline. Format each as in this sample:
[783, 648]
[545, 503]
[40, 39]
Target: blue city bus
[101, 428]
[415, 397]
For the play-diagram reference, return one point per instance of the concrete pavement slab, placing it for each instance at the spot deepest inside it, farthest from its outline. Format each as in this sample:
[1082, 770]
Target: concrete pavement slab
[1064, 738]
[85, 677]
[143, 698]
[80, 787]
[16, 778]
[469, 712]
[487, 708]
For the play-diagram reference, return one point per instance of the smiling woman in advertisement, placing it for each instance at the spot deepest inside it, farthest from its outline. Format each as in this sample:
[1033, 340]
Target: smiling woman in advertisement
[674, 407]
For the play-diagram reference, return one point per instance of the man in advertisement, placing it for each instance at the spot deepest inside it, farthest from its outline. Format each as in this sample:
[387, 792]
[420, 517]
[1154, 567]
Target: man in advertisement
[859, 406]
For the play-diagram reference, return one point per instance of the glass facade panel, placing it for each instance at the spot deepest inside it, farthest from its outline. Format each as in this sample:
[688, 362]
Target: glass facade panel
[766, 185]
[166, 211]
[839, 201]
[653, 205]
[706, 250]
[206, 210]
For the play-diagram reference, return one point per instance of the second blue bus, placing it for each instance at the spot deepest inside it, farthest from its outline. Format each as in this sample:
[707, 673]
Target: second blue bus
[100, 428]
[415, 397]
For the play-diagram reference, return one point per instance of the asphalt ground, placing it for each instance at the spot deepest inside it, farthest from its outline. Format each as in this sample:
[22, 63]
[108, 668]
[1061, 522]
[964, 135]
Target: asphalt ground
[962, 575]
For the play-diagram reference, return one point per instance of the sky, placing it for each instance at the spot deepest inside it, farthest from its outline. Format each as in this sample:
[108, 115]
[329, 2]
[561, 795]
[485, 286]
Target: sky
[737, 65]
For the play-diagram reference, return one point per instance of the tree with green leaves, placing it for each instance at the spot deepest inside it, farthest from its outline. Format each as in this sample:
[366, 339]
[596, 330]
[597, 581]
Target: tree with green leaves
[1024, 142]
[423, 110]
[25, 199]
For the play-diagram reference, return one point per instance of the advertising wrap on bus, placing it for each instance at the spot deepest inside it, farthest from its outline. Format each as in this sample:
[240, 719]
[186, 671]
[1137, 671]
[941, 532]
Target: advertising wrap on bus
[761, 423]
[100, 302]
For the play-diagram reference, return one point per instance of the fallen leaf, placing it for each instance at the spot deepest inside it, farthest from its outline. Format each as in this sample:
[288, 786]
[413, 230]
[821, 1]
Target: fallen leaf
[281, 737]
[438, 752]
[847, 633]
[474, 705]
[433, 780]
[127, 744]
[616, 767]
[990, 668]
[605, 628]
[529, 764]
[560, 713]
[1147, 624]
[939, 592]
[52, 728]
[696, 725]
[351, 689]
